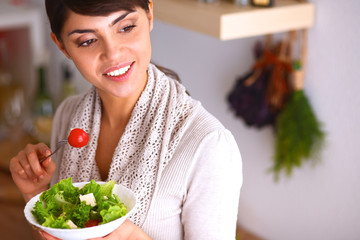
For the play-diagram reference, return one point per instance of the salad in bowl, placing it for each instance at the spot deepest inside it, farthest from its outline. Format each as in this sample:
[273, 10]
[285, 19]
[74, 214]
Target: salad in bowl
[80, 210]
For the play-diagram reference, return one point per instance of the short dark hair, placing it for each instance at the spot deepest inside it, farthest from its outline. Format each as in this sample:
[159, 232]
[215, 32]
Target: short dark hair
[57, 10]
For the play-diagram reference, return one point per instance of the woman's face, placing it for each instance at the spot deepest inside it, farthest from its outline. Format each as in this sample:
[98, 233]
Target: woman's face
[112, 52]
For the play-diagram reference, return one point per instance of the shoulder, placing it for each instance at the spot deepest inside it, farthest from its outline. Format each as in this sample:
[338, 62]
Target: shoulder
[210, 142]
[207, 142]
[202, 131]
[213, 143]
[201, 124]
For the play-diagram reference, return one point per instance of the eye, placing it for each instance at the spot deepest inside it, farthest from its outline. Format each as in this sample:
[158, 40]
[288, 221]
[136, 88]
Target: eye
[128, 28]
[87, 43]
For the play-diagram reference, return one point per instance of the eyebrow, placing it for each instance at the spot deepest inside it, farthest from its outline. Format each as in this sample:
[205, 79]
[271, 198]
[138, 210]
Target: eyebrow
[121, 17]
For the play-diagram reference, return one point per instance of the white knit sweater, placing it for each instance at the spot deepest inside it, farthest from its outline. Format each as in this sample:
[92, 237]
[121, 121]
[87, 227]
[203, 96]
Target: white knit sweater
[199, 189]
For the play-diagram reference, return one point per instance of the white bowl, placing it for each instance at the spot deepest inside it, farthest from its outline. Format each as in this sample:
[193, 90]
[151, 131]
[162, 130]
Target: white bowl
[125, 195]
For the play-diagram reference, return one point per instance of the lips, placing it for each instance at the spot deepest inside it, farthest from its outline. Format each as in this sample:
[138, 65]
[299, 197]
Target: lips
[119, 72]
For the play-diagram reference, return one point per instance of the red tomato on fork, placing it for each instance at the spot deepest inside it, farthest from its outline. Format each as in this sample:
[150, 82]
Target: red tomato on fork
[78, 138]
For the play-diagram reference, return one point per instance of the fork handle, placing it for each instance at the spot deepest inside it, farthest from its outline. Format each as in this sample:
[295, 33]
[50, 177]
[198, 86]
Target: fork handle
[58, 146]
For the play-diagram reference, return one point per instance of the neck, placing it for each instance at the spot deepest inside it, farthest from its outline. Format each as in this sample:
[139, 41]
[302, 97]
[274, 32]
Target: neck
[116, 112]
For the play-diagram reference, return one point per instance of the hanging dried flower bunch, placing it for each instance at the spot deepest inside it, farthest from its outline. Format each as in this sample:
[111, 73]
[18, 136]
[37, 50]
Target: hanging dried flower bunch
[299, 136]
[272, 94]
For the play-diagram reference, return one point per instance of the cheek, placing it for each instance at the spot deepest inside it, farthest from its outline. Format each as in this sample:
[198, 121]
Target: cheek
[86, 66]
[144, 48]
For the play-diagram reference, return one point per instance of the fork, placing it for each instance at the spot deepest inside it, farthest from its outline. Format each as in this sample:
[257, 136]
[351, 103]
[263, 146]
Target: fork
[58, 146]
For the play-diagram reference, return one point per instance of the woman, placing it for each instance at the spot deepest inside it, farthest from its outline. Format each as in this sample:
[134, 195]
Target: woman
[145, 131]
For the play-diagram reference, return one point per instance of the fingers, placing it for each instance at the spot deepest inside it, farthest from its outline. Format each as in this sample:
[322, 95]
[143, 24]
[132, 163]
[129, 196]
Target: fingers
[43, 150]
[47, 236]
[28, 174]
[16, 168]
[29, 161]
[127, 230]
[26, 163]
[49, 167]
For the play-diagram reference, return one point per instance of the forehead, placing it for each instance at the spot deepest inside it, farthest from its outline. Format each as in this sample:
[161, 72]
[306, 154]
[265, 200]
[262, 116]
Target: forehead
[75, 20]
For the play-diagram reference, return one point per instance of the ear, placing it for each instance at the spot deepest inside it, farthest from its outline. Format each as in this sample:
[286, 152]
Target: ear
[150, 14]
[59, 44]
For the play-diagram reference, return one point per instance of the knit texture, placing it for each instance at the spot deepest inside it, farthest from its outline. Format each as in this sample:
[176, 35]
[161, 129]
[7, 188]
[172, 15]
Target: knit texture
[148, 143]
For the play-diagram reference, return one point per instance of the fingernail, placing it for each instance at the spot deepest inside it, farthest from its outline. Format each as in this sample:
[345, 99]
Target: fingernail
[21, 172]
[41, 176]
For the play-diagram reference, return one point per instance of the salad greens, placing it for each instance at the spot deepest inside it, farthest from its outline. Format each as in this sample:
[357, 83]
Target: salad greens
[67, 206]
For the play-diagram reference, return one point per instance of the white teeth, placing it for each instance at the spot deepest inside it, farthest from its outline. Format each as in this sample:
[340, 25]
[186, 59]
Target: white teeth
[119, 72]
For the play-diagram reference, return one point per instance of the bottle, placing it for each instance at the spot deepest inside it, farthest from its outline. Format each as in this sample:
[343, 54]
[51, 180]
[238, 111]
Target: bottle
[6, 81]
[5, 75]
[68, 87]
[43, 109]
[262, 3]
[242, 3]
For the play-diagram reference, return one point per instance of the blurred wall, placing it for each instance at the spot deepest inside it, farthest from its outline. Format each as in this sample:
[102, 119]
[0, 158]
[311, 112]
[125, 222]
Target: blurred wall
[321, 202]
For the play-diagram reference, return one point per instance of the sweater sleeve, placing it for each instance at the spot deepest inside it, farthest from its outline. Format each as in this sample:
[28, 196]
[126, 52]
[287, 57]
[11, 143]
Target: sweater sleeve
[211, 206]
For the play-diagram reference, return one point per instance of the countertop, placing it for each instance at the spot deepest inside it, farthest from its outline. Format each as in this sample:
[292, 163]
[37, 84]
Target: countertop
[13, 224]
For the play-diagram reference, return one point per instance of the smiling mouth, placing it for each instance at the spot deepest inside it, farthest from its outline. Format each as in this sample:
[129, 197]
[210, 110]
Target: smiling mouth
[119, 72]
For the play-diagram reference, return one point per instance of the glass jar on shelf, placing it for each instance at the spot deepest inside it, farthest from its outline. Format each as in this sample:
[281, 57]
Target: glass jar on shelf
[12, 99]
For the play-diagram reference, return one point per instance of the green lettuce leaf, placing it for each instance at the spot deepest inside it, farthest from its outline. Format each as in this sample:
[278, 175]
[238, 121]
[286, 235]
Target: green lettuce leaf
[64, 191]
[106, 189]
[114, 212]
[81, 214]
[56, 222]
[62, 203]
[91, 187]
[40, 212]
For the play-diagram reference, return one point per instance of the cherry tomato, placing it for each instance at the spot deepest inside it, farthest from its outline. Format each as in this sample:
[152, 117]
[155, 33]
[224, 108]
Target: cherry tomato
[92, 222]
[78, 138]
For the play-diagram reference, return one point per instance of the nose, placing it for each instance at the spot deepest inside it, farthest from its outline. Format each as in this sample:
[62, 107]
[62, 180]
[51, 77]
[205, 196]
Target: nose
[111, 49]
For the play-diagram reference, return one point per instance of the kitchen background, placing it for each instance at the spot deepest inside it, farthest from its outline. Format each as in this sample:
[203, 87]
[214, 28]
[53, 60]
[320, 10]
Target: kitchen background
[316, 202]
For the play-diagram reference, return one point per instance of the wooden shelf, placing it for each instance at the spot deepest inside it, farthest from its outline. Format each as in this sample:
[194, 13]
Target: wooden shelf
[227, 21]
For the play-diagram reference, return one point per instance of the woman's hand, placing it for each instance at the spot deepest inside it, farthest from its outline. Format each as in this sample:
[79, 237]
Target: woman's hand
[29, 175]
[126, 231]
[47, 236]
